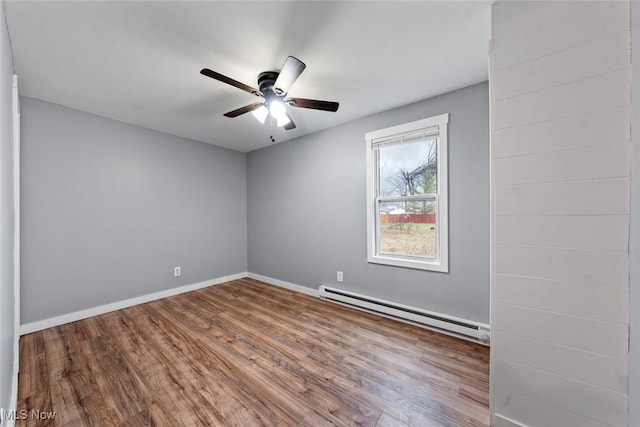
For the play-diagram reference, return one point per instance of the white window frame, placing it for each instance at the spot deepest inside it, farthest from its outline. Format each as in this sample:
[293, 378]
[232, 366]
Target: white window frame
[441, 262]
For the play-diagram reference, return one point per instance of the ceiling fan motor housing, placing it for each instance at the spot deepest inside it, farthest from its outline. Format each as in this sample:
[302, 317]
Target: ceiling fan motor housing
[266, 80]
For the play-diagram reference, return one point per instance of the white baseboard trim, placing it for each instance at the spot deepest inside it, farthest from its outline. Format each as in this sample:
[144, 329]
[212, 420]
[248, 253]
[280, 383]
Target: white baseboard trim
[502, 421]
[283, 284]
[90, 312]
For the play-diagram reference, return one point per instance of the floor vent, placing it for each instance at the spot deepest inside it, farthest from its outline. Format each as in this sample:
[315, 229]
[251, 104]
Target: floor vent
[443, 322]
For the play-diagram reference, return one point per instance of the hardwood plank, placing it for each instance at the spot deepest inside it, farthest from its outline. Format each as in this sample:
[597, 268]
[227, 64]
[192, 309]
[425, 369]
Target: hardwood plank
[455, 364]
[409, 407]
[245, 353]
[179, 372]
[126, 393]
[154, 415]
[421, 385]
[253, 384]
[474, 390]
[35, 379]
[387, 420]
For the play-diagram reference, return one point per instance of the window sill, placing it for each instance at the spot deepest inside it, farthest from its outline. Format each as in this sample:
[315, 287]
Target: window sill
[435, 265]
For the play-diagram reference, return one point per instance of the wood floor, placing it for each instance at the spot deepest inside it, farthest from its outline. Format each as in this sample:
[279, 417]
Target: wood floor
[246, 353]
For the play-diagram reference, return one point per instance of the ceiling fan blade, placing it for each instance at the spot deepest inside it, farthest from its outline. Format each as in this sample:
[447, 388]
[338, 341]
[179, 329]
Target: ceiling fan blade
[228, 80]
[313, 104]
[289, 125]
[290, 72]
[245, 109]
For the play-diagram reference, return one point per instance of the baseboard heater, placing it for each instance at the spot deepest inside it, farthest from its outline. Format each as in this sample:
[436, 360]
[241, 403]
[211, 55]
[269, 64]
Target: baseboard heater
[443, 322]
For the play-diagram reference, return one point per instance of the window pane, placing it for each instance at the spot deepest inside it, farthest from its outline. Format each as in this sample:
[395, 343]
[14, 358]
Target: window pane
[408, 169]
[408, 228]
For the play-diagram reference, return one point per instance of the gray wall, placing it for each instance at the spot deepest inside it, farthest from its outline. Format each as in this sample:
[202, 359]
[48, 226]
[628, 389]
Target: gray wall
[307, 210]
[634, 247]
[7, 227]
[108, 209]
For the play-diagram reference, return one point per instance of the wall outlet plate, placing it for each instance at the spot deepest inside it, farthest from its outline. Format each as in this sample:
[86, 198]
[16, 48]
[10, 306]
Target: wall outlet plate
[339, 276]
[177, 271]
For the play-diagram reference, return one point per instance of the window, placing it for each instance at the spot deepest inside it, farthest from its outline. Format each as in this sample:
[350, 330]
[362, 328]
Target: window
[407, 195]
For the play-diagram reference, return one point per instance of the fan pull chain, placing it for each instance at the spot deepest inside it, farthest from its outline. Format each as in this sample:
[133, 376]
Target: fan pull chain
[272, 122]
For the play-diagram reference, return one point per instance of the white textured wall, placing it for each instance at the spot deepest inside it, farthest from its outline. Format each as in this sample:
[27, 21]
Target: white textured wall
[634, 242]
[8, 339]
[560, 104]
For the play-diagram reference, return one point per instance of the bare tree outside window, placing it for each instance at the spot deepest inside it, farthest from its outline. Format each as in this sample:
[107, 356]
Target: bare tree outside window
[420, 180]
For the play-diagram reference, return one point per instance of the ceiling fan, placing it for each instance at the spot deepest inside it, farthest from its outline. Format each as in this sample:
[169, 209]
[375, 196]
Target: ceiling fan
[273, 87]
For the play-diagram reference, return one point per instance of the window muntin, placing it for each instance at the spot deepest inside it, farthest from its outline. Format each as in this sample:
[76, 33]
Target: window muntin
[407, 195]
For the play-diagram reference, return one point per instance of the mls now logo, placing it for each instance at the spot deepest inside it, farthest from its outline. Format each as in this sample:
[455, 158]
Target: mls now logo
[12, 414]
[24, 414]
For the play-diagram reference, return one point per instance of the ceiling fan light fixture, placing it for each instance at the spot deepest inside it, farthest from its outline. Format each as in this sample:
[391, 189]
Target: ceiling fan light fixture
[282, 120]
[261, 114]
[277, 108]
[279, 112]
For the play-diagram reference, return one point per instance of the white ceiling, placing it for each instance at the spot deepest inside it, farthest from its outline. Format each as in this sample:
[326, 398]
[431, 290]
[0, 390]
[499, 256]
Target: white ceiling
[139, 61]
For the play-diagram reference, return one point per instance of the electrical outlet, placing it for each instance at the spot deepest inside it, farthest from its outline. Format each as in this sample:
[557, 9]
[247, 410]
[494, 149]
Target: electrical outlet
[177, 271]
[339, 276]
